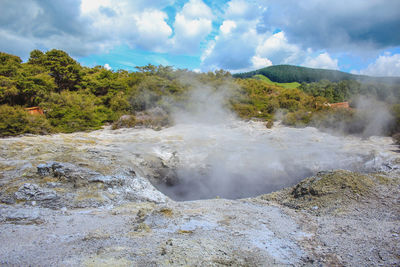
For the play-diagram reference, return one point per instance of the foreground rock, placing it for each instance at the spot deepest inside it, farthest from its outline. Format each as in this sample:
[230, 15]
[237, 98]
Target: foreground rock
[356, 223]
[354, 217]
[213, 232]
[57, 185]
[85, 200]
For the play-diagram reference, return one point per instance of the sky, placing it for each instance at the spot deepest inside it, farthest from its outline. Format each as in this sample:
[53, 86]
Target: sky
[357, 36]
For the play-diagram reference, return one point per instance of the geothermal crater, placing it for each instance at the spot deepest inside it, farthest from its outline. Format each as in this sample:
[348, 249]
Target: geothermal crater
[244, 159]
[191, 161]
[86, 198]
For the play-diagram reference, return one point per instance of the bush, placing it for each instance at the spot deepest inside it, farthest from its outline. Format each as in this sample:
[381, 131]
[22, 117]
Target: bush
[75, 111]
[298, 118]
[341, 120]
[126, 121]
[15, 120]
[269, 124]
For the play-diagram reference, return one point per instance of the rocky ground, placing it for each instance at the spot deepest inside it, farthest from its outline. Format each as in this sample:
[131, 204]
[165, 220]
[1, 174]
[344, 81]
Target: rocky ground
[82, 199]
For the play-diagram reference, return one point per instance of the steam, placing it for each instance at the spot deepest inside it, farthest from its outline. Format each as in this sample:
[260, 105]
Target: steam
[368, 117]
[204, 105]
[376, 115]
[214, 154]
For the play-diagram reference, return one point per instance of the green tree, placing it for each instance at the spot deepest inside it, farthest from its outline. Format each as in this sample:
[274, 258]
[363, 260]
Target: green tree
[9, 65]
[37, 57]
[64, 69]
[8, 90]
[75, 111]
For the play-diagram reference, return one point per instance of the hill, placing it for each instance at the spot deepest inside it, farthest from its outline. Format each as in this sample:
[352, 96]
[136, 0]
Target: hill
[284, 85]
[289, 74]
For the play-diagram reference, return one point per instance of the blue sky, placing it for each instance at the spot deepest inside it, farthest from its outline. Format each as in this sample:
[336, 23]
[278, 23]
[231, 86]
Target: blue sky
[359, 36]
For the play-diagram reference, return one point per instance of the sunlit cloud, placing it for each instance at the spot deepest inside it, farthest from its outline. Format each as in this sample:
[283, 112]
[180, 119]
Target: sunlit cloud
[385, 65]
[231, 34]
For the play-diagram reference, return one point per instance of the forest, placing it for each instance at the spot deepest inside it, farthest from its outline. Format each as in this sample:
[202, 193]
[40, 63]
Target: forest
[78, 98]
[290, 73]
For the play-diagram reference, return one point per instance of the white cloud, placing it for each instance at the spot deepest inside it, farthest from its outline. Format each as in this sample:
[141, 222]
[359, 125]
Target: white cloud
[191, 26]
[128, 6]
[83, 27]
[358, 26]
[152, 30]
[230, 51]
[239, 47]
[88, 6]
[240, 9]
[245, 38]
[107, 66]
[234, 46]
[256, 63]
[278, 50]
[259, 62]
[195, 9]
[386, 65]
[227, 26]
[127, 22]
[322, 61]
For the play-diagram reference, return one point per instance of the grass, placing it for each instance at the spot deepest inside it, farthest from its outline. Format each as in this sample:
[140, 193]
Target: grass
[284, 85]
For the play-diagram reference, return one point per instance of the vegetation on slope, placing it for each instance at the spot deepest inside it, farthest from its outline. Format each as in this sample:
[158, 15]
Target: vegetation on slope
[346, 90]
[289, 73]
[77, 98]
[284, 85]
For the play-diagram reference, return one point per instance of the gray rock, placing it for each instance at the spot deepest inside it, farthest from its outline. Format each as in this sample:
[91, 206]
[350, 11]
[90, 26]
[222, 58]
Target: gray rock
[123, 186]
[34, 192]
[160, 171]
[116, 180]
[44, 169]
[20, 215]
[140, 189]
[7, 199]
[77, 175]
[129, 186]
[53, 184]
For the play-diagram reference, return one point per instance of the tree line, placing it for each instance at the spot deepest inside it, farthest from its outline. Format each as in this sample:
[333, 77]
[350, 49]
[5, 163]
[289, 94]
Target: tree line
[79, 98]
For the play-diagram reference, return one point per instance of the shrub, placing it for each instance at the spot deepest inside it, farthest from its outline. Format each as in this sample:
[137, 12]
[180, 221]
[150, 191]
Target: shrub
[15, 120]
[341, 120]
[126, 121]
[269, 124]
[75, 111]
[298, 118]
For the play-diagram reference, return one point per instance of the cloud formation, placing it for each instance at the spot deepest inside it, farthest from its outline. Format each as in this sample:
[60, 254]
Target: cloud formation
[236, 35]
[29, 24]
[385, 65]
[337, 25]
[244, 44]
[277, 49]
[236, 42]
[322, 61]
[192, 25]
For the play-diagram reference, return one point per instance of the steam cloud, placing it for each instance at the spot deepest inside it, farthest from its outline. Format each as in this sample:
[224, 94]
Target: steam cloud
[215, 154]
[375, 113]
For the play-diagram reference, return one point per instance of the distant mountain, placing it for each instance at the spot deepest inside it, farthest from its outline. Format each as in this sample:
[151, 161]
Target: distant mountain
[289, 73]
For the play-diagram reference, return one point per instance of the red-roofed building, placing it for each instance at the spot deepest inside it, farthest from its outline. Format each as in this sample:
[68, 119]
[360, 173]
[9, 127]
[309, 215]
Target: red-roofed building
[35, 111]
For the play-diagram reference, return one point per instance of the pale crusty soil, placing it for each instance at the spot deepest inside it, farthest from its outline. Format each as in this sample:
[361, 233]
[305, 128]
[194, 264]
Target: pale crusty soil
[96, 209]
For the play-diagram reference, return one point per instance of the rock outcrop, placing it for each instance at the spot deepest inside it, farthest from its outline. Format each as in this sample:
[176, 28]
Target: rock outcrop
[58, 185]
[91, 199]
